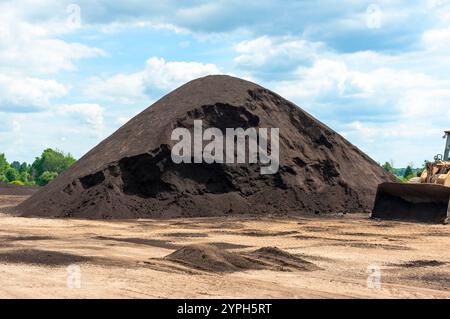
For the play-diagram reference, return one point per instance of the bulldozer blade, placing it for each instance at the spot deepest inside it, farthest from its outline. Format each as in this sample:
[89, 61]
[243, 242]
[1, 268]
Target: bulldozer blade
[414, 202]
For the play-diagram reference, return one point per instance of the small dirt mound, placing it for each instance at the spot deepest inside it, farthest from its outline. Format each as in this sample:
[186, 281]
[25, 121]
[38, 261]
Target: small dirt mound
[214, 259]
[422, 263]
[282, 260]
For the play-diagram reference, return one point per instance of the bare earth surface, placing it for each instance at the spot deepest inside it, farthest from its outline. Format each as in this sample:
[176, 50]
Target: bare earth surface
[125, 258]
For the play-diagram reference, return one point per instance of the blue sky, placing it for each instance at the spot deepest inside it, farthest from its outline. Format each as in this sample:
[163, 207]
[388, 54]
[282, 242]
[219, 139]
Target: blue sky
[378, 72]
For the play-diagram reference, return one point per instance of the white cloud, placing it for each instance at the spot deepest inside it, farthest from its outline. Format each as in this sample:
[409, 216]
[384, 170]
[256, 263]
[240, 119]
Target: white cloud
[86, 113]
[419, 102]
[32, 47]
[158, 76]
[18, 93]
[275, 52]
[162, 75]
[323, 77]
[29, 52]
[410, 92]
[374, 132]
[437, 39]
[120, 88]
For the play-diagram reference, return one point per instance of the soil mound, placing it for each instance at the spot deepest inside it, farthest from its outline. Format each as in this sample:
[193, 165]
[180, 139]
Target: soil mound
[211, 258]
[131, 174]
[282, 260]
[17, 190]
[214, 259]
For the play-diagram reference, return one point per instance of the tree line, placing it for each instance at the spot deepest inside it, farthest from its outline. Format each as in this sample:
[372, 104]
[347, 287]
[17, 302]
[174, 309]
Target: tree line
[44, 168]
[404, 173]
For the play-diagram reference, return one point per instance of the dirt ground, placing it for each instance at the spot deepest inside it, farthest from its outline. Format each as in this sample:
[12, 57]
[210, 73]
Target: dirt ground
[355, 258]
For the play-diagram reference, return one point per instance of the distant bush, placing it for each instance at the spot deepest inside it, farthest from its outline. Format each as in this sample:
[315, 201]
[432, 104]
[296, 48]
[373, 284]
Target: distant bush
[11, 174]
[17, 183]
[46, 178]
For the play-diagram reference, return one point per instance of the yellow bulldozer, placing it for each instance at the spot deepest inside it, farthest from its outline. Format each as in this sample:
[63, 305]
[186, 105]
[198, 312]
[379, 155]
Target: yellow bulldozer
[425, 198]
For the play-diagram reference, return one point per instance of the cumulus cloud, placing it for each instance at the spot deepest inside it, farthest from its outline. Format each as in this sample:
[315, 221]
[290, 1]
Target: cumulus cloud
[27, 94]
[162, 75]
[437, 39]
[33, 47]
[333, 78]
[388, 91]
[85, 113]
[125, 89]
[275, 55]
[30, 54]
[45, 56]
[157, 77]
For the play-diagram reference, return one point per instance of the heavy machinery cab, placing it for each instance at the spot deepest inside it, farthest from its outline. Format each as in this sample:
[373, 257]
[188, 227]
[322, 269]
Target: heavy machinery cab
[447, 146]
[438, 172]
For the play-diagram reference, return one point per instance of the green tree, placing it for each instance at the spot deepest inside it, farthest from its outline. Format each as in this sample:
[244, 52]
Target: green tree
[11, 174]
[45, 178]
[24, 167]
[53, 161]
[3, 164]
[3, 167]
[25, 177]
[16, 165]
[389, 167]
[409, 173]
